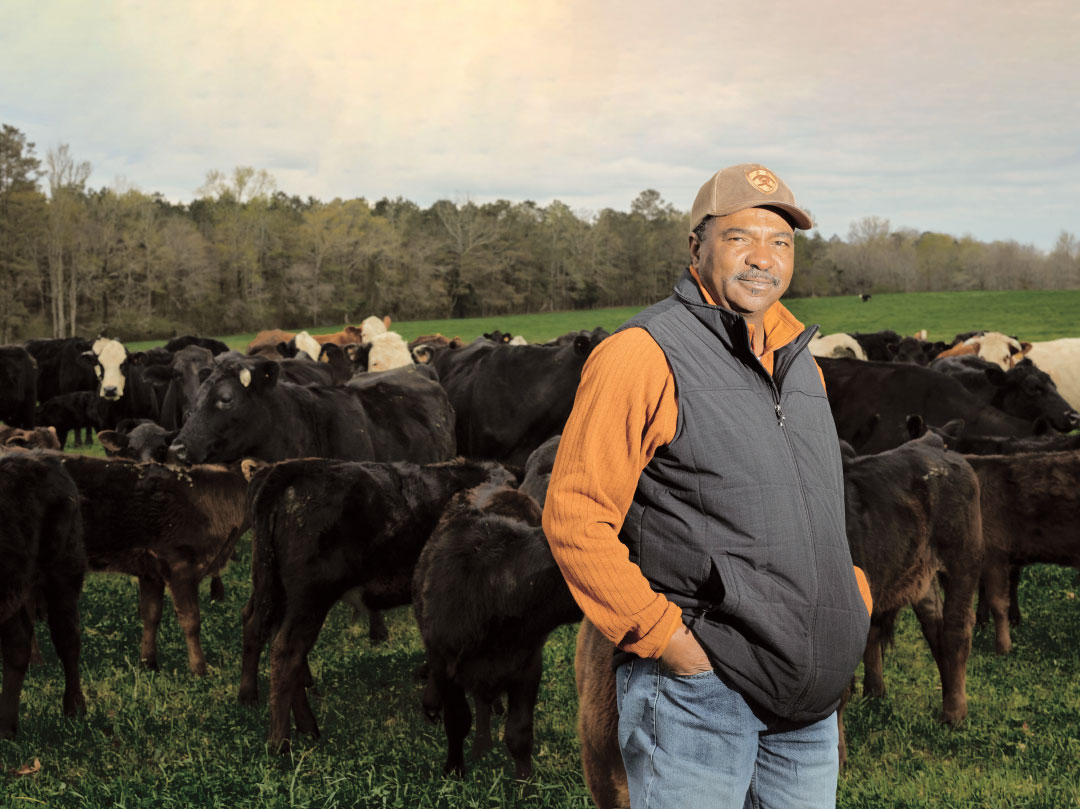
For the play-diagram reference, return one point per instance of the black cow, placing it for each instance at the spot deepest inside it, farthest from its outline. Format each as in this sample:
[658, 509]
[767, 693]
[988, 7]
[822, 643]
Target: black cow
[871, 402]
[242, 409]
[509, 399]
[18, 387]
[876, 344]
[912, 514]
[138, 440]
[78, 411]
[165, 525]
[215, 347]
[44, 564]
[1022, 391]
[321, 528]
[487, 593]
[62, 366]
[958, 440]
[915, 351]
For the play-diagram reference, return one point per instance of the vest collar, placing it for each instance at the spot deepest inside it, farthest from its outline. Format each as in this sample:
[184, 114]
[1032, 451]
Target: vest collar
[781, 327]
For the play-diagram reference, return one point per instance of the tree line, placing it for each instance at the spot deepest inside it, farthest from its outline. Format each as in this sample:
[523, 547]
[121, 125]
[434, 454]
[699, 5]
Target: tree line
[244, 255]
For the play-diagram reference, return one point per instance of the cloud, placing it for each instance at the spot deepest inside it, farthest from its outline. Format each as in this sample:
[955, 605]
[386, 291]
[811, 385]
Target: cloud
[945, 115]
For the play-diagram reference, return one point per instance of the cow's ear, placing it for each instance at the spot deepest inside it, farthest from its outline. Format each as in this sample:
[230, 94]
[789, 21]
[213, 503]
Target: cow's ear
[915, 426]
[582, 344]
[386, 321]
[995, 375]
[1025, 348]
[113, 442]
[953, 429]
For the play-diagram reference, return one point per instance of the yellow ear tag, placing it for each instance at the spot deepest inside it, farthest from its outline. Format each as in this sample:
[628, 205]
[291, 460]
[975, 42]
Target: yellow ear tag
[245, 377]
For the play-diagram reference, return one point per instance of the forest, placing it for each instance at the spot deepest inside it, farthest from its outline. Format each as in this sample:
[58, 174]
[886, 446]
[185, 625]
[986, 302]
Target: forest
[244, 255]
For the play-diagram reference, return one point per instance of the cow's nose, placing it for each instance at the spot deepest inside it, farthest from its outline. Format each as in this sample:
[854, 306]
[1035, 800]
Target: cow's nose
[110, 392]
[177, 452]
[1073, 418]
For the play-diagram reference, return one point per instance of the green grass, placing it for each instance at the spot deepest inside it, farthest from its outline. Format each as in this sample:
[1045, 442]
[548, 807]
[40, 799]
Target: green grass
[1029, 314]
[167, 739]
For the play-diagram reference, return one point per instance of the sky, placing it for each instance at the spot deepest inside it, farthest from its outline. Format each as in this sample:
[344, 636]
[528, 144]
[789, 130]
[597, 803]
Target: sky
[954, 116]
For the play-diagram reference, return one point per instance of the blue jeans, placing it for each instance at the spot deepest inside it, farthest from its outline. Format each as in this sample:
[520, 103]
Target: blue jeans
[693, 743]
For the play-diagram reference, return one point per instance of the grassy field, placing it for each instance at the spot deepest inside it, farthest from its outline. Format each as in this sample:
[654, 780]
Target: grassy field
[1030, 315]
[167, 739]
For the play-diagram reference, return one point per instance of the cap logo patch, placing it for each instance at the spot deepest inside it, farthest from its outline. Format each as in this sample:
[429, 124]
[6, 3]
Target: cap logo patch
[763, 180]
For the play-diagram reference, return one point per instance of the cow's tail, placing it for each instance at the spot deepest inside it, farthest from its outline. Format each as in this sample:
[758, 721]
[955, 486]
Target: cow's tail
[268, 593]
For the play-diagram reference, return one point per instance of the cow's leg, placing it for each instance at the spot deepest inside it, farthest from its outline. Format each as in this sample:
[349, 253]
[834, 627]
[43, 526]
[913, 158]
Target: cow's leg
[377, 630]
[482, 737]
[1014, 595]
[254, 639]
[457, 718]
[63, 606]
[288, 657]
[956, 643]
[185, 595]
[929, 610]
[996, 581]
[873, 681]
[15, 648]
[35, 651]
[842, 743]
[521, 705]
[151, 600]
[301, 708]
[217, 589]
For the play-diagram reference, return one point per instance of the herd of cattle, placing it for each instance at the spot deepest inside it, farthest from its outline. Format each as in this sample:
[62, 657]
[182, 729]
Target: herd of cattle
[388, 473]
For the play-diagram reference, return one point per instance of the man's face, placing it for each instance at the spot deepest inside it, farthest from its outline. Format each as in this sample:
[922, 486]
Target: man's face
[746, 260]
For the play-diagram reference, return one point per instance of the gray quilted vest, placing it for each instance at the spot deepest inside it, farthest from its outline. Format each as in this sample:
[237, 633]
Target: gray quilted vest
[740, 519]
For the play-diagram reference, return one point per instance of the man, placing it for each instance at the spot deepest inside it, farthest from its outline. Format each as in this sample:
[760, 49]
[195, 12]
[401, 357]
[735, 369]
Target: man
[696, 509]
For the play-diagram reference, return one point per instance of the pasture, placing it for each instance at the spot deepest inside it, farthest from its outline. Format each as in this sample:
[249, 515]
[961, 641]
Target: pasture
[167, 739]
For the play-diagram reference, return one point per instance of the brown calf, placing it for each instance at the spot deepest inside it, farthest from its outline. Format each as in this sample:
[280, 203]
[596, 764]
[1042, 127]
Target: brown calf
[165, 525]
[1030, 514]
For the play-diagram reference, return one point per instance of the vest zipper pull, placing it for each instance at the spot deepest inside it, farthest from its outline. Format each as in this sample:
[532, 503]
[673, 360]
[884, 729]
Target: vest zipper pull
[779, 415]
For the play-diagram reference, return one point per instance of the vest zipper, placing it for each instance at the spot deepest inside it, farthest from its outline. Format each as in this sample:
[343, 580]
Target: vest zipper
[781, 367]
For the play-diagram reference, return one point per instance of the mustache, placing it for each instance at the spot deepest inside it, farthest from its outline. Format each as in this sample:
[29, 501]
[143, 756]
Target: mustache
[757, 275]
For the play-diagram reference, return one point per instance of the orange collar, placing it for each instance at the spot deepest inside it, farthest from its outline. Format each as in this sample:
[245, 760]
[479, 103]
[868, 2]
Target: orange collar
[781, 327]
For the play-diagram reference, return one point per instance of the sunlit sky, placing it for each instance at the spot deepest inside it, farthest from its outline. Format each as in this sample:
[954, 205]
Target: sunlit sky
[961, 117]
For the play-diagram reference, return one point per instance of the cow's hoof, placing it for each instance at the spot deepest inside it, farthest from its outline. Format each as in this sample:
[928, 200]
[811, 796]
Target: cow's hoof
[217, 589]
[954, 717]
[455, 769]
[149, 663]
[8, 731]
[74, 704]
[198, 669]
[247, 696]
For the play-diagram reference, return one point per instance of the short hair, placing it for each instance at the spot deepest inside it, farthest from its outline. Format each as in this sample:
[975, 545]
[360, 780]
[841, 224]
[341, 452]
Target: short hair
[702, 226]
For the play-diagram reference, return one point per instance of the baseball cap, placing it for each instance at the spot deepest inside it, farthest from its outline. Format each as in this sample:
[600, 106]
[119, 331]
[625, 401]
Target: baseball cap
[747, 185]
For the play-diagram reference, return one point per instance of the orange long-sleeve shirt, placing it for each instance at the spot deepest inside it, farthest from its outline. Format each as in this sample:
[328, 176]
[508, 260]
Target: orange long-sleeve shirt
[626, 408]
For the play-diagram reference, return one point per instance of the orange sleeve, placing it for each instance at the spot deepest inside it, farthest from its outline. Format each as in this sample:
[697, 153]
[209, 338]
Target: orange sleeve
[864, 589]
[624, 410]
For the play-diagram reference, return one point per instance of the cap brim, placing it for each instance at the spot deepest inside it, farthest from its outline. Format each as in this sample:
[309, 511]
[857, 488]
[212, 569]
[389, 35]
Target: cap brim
[801, 219]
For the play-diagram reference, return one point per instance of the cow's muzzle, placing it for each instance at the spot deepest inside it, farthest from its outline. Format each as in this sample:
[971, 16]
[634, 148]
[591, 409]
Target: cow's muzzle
[178, 453]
